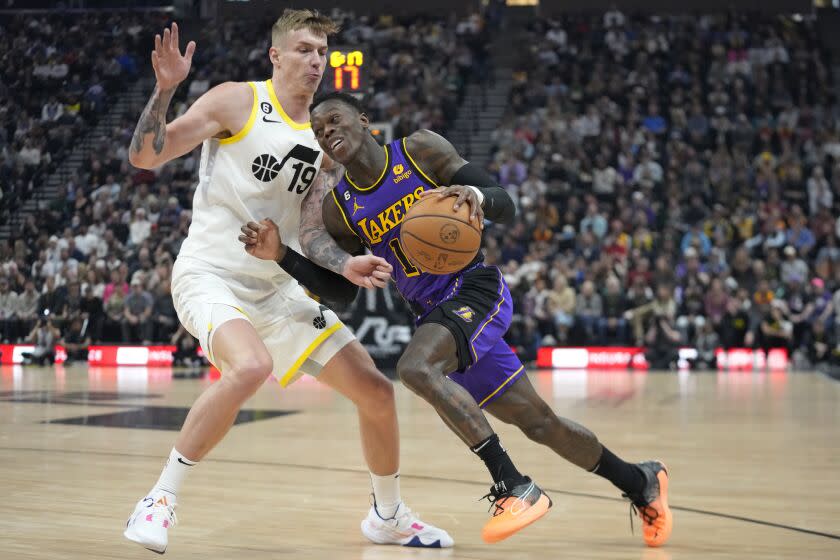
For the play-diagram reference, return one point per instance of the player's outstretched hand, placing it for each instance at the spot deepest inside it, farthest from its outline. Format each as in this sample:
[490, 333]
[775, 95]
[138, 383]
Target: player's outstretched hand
[262, 240]
[463, 194]
[171, 67]
[367, 271]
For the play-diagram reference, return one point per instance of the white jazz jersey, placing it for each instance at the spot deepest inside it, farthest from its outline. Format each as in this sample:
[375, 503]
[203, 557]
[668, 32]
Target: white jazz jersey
[263, 171]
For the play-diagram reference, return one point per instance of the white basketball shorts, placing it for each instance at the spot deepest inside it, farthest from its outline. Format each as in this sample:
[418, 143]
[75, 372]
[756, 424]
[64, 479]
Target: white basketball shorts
[300, 334]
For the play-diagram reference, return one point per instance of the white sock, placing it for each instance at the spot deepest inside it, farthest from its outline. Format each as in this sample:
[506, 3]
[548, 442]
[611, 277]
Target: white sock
[173, 475]
[386, 493]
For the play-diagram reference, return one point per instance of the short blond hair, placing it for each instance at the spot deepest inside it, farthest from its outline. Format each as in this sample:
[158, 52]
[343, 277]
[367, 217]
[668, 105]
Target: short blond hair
[292, 20]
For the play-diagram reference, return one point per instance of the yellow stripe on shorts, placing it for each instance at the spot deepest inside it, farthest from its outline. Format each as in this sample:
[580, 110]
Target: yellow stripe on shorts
[309, 349]
[499, 388]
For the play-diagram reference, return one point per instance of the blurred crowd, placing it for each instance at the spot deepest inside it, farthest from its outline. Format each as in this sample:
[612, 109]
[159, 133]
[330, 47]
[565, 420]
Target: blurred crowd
[95, 265]
[677, 179]
[678, 183]
[58, 74]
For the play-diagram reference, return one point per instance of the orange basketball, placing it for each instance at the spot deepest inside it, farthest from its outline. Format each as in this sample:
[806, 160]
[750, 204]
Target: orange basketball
[438, 240]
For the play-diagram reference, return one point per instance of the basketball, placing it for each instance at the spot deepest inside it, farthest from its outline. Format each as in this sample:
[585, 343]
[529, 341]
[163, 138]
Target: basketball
[437, 239]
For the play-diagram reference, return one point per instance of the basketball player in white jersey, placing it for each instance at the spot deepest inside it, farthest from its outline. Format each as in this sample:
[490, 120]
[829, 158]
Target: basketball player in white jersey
[259, 158]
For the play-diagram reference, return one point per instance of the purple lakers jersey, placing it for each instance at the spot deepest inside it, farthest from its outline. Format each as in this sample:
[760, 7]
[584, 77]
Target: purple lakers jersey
[375, 213]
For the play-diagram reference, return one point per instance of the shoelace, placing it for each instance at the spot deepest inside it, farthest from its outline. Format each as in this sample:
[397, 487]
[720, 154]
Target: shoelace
[494, 496]
[170, 512]
[397, 519]
[406, 513]
[648, 514]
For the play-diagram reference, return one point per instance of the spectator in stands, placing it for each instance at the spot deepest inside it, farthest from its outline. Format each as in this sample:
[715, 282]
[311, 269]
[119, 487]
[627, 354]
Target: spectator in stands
[696, 239]
[137, 324]
[662, 306]
[52, 110]
[820, 194]
[73, 301]
[735, 326]
[140, 228]
[707, 342]
[561, 303]
[715, 303]
[44, 337]
[76, 340]
[588, 312]
[185, 348]
[52, 301]
[661, 338]
[793, 269]
[823, 305]
[8, 311]
[612, 326]
[114, 314]
[92, 312]
[776, 330]
[163, 312]
[27, 308]
[822, 346]
[117, 285]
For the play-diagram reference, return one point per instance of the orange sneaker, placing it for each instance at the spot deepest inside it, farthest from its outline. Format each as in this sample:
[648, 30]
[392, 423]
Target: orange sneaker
[651, 504]
[515, 509]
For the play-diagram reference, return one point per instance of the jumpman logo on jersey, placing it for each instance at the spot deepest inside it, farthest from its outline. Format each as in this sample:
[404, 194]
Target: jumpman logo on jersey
[356, 206]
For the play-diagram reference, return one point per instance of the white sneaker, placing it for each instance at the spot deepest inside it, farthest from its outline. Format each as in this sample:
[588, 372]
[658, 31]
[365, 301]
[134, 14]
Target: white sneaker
[149, 525]
[404, 529]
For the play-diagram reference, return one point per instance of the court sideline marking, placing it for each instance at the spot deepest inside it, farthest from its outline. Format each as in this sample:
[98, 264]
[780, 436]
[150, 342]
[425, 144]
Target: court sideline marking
[433, 479]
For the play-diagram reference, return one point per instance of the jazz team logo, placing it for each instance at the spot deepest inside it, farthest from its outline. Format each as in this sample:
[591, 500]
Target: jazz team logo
[466, 313]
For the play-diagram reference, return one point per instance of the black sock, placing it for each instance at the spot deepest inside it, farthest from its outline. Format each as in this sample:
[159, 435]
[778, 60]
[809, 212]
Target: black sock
[496, 459]
[626, 476]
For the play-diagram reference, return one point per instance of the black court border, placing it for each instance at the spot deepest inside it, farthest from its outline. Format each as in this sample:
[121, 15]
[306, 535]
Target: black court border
[709, 513]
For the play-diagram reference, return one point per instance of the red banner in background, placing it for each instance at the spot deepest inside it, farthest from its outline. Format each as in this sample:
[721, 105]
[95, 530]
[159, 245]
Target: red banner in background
[130, 355]
[592, 357]
[13, 353]
[633, 357]
[748, 359]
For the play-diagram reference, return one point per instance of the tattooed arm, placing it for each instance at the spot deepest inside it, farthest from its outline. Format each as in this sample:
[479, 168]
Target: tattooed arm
[317, 243]
[225, 107]
[327, 241]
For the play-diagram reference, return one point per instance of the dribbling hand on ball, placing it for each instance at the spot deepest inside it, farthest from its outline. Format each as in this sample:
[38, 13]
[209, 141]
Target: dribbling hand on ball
[463, 194]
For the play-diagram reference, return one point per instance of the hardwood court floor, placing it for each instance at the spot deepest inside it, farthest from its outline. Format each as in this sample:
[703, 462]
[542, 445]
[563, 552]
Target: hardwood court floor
[754, 458]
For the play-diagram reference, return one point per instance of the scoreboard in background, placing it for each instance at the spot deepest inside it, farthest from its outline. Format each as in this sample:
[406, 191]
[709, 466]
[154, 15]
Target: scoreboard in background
[346, 71]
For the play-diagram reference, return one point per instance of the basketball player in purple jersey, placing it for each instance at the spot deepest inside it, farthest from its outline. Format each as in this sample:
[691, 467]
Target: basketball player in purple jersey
[457, 359]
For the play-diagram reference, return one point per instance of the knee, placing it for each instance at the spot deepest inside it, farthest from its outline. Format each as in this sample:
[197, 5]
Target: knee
[378, 394]
[383, 391]
[249, 373]
[414, 373]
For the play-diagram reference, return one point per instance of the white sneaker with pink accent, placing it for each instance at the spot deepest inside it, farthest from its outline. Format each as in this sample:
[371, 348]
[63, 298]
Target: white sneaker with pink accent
[149, 525]
[405, 529]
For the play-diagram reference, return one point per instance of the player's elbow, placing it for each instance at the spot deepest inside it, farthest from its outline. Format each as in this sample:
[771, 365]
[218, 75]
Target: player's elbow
[503, 209]
[507, 214]
[140, 161]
